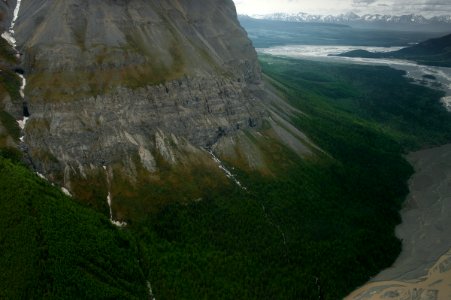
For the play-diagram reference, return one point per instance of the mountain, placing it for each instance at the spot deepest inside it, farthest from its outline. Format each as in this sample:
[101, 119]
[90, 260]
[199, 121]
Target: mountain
[439, 22]
[125, 93]
[435, 52]
[143, 155]
[352, 17]
[128, 111]
[270, 33]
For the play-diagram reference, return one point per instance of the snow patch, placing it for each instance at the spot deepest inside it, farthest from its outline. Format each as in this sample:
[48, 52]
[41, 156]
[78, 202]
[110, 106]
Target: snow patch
[41, 176]
[118, 223]
[9, 35]
[22, 87]
[16, 13]
[22, 123]
[66, 191]
[9, 38]
[109, 201]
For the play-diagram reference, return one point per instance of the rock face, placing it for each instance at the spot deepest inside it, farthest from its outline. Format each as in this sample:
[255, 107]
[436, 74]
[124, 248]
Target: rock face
[6, 13]
[107, 128]
[109, 81]
[134, 103]
[147, 40]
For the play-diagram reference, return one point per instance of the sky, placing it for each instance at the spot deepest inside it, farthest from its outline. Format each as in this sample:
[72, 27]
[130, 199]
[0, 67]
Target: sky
[398, 7]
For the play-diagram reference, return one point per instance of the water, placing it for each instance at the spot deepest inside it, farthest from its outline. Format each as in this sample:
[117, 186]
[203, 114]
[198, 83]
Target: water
[315, 51]
[225, 170]
[9, 37]
[109, 200]
[412, 69]
[149, 289]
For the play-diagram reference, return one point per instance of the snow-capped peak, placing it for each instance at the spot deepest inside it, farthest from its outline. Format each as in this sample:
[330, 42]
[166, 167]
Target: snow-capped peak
[353, 17]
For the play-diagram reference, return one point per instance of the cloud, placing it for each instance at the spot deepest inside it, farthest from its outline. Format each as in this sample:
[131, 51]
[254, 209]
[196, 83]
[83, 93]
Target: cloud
[367, 2]
[399, 7]
[292, 6]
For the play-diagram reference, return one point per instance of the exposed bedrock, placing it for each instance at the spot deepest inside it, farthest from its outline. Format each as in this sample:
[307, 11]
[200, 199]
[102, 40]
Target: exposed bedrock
[140, 85]
[103, 129]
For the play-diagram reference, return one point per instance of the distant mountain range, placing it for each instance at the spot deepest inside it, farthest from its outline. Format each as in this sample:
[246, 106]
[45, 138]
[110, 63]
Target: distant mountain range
[435, 52]
[354, 18]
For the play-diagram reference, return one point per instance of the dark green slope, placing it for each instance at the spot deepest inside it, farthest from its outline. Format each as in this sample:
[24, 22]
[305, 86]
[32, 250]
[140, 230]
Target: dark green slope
[51, 247]
[436, 52]
[430, 47]
[318, 228]
[337, 212]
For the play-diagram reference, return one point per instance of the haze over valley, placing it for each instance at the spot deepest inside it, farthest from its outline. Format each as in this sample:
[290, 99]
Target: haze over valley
[167, 149]
[419, 48]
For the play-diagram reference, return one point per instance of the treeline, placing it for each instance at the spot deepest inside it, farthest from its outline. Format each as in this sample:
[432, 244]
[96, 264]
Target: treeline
[321, 226]
[317, 228]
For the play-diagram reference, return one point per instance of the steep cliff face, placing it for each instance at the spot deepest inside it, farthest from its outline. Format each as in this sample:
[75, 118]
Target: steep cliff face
[131, 87]
[131, 43]
[6, 13]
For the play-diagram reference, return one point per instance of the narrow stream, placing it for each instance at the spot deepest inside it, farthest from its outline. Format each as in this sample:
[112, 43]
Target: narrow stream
[109, 201]
[225, 170]
[149, 288]
[423, 269]
[9, 37]
[439, 77]
[230, 175]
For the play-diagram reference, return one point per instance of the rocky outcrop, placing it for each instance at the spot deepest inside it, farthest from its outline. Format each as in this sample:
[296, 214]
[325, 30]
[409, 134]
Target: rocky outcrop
[138, 89]
[107, 78]
[6, 13]
[107, 128]
[137, 42]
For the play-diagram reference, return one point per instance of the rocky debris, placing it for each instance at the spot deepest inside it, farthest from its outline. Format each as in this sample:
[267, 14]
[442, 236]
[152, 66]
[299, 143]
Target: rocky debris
[423, 231]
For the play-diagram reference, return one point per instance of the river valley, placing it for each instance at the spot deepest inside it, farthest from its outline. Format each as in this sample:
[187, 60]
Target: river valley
[435, 77]
[423, 269]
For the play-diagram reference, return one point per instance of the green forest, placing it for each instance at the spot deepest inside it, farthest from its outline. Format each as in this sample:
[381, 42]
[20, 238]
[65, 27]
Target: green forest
[318, 229]
[52, 248]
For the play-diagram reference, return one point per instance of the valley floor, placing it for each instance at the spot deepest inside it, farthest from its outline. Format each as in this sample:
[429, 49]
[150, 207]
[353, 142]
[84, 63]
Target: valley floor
[423, 270]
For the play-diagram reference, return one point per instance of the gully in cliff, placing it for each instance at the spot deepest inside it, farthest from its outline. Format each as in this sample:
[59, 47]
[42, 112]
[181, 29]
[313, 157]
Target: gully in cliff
[9, 37]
